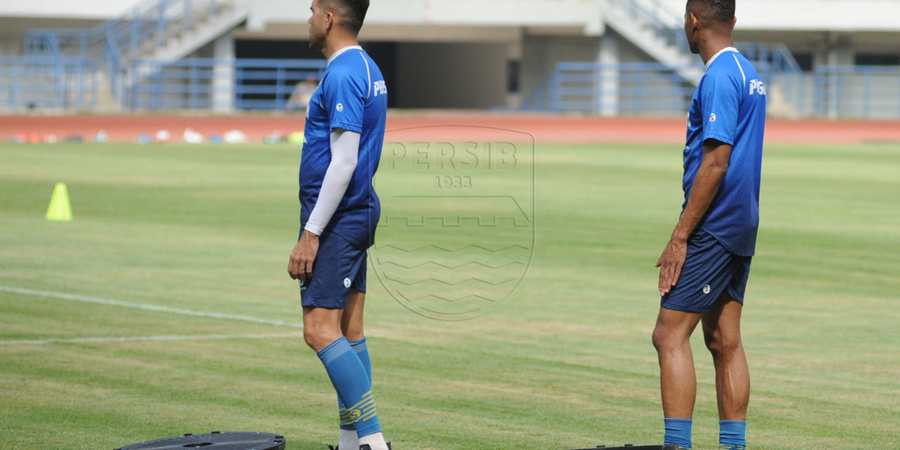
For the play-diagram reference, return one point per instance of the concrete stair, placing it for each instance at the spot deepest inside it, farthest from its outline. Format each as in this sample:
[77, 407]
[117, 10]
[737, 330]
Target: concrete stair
[657, 33]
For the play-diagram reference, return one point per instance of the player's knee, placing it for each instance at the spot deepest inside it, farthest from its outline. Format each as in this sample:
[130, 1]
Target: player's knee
[713, 340]
[660, 338]
[315, 337]
[310, 337]
[719, 344]
[353, 332]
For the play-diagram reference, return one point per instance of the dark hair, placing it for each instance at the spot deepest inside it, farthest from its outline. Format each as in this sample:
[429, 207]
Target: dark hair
[719, 10]
[352, 13]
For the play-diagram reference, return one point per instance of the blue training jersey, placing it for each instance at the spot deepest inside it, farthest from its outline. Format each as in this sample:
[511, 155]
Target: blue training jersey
[729, 106]
[351, 96]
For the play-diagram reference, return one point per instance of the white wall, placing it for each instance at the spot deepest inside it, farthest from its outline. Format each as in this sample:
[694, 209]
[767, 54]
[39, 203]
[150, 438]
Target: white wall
[835, 15]
[838, 15]
[810, 15]
[582, 14]
[82, 9]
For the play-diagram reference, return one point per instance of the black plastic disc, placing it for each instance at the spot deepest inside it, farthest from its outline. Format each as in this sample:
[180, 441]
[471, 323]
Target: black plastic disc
[214, 441]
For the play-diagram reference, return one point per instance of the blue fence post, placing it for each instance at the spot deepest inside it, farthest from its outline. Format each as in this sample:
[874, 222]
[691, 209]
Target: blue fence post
[817, 91]
[15, 83]
[104, 41]
[161, 24]
[194, 85]
[867, 93]
[556, 90]
[93, 84]
[600, 92]
[676, 92]
[279, 88]
[157, 95]
[57, 82]
[839, 92]
[238, 86]
[79, 96]
[134, 33]
[83, 44]
[638, 90]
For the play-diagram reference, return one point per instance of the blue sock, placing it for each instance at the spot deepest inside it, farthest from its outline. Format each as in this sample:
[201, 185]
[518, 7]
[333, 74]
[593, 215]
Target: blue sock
[732, 434]
[352, 384]
[678, 432]
[362, 352]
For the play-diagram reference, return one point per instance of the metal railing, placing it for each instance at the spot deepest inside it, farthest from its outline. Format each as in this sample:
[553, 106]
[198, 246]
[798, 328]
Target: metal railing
[867, 92]
[645, 86]
[631, 88]
[864, 92]
[130, 36]
[148, 24]
[203, 83]
[777, 57]
[29, 82]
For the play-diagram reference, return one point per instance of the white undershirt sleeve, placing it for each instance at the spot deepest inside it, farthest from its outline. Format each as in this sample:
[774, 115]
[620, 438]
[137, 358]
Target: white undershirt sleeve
[344, 156]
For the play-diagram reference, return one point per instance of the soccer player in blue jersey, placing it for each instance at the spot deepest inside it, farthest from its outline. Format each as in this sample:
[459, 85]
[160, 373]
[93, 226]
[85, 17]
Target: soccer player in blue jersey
[704, 268]
[344, 133]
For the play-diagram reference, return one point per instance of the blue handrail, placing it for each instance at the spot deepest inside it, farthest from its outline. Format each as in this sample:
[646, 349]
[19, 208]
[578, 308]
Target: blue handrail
[777, 56]
[144, 27]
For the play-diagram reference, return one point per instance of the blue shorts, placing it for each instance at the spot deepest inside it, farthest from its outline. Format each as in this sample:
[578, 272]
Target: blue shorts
[339, 267]
[709, 270]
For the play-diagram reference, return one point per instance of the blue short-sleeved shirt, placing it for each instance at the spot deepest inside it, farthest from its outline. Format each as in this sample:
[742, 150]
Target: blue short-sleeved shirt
[729, 106]
[352, 96]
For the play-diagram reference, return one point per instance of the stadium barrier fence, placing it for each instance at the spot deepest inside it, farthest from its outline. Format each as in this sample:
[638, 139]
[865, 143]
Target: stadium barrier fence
[636, 89]
[36, 82]
[205, 83]
[652, 89]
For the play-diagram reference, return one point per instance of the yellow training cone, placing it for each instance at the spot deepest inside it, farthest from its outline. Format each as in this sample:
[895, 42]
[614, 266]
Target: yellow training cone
[60, 210]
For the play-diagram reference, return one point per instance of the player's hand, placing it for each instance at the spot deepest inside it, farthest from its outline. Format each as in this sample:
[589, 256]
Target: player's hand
[300, 266]
[670, 264]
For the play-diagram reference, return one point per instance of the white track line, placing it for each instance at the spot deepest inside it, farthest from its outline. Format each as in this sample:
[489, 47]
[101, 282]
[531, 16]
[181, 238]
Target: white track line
[157, 308]
[151, 339]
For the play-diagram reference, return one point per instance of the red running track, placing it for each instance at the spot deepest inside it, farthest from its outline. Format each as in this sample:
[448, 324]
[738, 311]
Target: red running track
[544, 128]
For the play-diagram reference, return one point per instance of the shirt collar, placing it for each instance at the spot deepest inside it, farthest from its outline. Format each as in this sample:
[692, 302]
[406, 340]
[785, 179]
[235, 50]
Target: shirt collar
[342, 51]
[726, 49]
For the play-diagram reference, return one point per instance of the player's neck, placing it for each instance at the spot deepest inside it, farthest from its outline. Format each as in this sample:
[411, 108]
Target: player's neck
[337, 43]
[711, 45]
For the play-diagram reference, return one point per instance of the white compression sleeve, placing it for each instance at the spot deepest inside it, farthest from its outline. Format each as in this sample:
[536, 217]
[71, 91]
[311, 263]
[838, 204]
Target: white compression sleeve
[344, 156]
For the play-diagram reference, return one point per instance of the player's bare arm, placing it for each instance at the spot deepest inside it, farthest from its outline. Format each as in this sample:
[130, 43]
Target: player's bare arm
[706, 184]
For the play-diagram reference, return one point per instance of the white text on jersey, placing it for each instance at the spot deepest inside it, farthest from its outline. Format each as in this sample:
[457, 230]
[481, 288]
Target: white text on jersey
[380, 88]
[757, 86]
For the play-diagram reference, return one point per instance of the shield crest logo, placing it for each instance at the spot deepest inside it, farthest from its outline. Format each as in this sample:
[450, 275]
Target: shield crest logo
[457, 228]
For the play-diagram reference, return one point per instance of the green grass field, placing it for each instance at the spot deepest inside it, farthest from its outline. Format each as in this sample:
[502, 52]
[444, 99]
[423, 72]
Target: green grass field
[565, 362]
